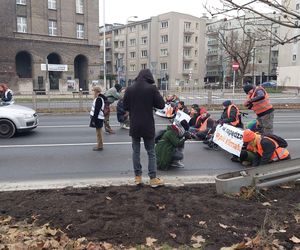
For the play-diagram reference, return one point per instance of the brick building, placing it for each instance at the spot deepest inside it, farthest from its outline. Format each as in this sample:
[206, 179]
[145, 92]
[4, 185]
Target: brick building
[36, 32]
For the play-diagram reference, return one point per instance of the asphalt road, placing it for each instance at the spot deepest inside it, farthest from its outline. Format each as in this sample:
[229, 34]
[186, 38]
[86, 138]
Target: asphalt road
[61, 148]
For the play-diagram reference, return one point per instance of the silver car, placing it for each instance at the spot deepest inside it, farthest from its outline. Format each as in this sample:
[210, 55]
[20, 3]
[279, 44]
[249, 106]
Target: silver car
[15, 118]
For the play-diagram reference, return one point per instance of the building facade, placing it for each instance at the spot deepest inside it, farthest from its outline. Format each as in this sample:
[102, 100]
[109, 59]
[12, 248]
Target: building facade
[172, 45]
[49, 45]
[289, 53]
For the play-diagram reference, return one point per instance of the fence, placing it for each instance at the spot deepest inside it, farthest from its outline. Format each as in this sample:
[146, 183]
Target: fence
[82, 101]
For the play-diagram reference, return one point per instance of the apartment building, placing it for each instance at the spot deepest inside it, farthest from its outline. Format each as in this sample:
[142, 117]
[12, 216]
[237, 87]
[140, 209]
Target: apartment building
[172, 45]
[49, 44]
[262, 60]
[289, 53]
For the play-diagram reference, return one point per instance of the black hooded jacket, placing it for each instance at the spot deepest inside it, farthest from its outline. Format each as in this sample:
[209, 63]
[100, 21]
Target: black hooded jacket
[140, 99]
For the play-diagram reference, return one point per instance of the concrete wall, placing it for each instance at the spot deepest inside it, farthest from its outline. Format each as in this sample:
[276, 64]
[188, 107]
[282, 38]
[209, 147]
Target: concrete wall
[289, 76]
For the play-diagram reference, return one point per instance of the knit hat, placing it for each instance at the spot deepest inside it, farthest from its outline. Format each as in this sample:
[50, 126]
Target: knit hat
[202, 111]
[185, 125]
[227, 103]
[248, 135]
[195, 106]
[118, 87]
[247, 88]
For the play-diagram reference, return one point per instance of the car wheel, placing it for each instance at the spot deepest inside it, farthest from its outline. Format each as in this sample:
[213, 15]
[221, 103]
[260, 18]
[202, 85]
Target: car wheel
[7, 128]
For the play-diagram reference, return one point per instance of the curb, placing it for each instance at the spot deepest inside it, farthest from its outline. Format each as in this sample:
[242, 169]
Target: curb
[99, 182]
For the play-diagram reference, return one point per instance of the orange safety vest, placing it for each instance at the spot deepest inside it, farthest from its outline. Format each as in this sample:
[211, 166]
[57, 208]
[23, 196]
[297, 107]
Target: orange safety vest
[203, 125]
[261, 105]
[237, 119]
[169, 112]
[279, 153]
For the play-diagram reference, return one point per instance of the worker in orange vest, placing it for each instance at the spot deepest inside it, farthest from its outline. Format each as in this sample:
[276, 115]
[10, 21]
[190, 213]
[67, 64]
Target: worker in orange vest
[231, 115]
[261, 149]
[258, 101]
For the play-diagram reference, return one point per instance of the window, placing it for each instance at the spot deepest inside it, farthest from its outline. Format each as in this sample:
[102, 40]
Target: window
[132, 42]
[196, 53]
[132, 67]
[186, 66]
[294, 57]
[122, 44]
[21, 2]
[79, 6]
[132, 54]
[297, 6]
[196, 39]
[144, 40]
[195, 66]
[187, 25]
[163, 66]
[145, 26]
[52, 28]
[164, 39]
[187, 52]
[197, 25]
[144, 53]
[143, 65]
[52, 4]
[80, 31]
[163, 52]
[164, 24]
[132, 28]
[187, 39]
[21, 24]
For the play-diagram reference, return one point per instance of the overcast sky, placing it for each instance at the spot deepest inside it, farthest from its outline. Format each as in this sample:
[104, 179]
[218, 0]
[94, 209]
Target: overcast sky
[117, 11]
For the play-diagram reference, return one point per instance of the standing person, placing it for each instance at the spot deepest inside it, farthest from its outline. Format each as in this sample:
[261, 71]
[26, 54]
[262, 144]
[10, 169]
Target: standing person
[97, 116]
[112, 95]
[140, 99]
[258, 101]
[6, 94]
[122, 115]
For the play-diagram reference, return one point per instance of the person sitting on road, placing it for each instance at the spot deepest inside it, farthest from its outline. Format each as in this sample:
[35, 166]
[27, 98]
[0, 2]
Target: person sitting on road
[262, 149]
[6, 94]
[169, 149]
[231, 115]
[182, 107]
[122, 115]
[194, 113]
[207, 125]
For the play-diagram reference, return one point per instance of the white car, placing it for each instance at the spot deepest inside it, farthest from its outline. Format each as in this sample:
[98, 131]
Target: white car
[15, 118]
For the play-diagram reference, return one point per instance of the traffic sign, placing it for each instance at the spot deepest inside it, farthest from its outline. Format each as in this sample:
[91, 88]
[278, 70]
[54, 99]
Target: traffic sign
[235, 66]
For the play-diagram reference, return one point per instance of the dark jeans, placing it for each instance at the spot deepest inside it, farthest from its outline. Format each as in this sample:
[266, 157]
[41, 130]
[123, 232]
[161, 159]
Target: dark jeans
[178, 154]
[149, 146]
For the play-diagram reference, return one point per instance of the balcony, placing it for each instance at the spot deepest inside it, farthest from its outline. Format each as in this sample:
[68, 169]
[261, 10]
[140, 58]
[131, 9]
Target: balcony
[188, 45]
[187, 58]
[188, 31]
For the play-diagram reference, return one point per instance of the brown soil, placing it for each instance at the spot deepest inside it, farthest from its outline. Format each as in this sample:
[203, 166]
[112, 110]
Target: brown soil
[127, 215]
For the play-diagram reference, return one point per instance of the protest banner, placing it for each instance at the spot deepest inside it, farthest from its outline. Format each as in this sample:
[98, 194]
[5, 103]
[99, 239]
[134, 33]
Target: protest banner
[229, 138]
[180, 115]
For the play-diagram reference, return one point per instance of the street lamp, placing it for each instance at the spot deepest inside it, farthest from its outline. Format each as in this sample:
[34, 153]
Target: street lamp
[126, 49]
[104, 47]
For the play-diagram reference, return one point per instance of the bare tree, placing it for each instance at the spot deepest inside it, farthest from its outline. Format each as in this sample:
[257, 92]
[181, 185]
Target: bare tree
[282, 13]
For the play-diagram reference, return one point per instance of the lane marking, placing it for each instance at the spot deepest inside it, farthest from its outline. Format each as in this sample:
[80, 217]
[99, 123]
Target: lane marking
[90, 143]
[157, 124]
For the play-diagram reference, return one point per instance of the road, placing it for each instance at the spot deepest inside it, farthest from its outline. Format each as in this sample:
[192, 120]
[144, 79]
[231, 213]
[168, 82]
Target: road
[61, 149]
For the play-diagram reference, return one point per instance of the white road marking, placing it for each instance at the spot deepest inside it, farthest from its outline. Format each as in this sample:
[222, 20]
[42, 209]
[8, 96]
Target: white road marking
[90, 144]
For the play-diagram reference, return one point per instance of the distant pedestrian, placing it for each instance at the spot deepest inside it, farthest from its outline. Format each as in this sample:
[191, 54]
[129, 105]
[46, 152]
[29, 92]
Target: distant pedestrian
[112, 95]
[258, 100]
[122, 114]
[97, 116]
[140, 99]
[6, 94]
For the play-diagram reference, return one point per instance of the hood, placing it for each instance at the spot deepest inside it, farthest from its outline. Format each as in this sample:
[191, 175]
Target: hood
[13, 108]
[145, 75]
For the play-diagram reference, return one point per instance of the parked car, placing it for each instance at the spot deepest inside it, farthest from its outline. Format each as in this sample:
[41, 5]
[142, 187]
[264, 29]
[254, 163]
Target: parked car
[269, 84]
[15, 118]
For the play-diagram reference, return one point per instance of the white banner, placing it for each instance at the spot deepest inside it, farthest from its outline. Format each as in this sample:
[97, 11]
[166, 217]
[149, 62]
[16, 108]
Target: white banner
[229, 138]
[180, 115]
[54, 67]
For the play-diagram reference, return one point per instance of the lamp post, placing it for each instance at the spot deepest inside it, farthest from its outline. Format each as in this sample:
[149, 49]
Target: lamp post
[270, 51]
[126, 50]
[104, 47]
[253, 61]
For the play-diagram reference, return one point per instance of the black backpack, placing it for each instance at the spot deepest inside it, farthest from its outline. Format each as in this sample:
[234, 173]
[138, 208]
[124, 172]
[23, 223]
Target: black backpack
[282, 143]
